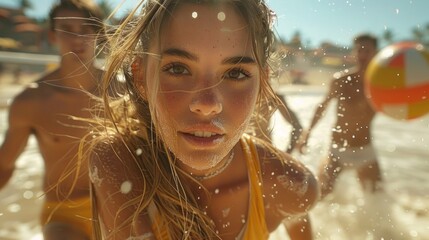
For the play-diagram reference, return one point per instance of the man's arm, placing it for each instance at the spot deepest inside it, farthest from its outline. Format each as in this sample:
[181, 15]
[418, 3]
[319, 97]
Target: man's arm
[318, 114]
[291, 117]
[15, 139]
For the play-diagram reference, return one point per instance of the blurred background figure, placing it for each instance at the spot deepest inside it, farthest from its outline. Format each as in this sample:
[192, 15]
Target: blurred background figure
[48, 109]
[351, 145]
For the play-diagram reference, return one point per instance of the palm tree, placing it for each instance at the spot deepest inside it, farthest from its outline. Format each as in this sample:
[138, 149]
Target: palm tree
[418, 34]
[106, 9]
[296, 40]
[388, 36]
[427, 34]
[25, 4]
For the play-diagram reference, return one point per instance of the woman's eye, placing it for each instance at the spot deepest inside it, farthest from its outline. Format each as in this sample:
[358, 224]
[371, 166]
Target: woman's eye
[237, 73]
[176, 69]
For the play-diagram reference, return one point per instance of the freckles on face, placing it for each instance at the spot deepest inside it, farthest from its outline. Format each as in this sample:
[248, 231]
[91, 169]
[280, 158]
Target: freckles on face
[208, 82]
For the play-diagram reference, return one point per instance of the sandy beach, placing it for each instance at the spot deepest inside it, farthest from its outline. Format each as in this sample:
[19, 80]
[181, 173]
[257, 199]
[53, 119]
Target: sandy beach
[400, 212]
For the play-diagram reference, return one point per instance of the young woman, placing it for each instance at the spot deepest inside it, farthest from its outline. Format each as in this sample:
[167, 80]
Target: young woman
[173, 160]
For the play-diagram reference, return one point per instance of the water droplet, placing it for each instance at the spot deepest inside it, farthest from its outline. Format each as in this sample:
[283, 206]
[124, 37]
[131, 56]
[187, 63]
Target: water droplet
[139, 151]
[126, 187]
[28, 194]
[221, 16]
[14, 207]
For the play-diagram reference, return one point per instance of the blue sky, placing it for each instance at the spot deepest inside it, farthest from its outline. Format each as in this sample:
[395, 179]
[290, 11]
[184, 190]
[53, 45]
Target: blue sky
[336, 21]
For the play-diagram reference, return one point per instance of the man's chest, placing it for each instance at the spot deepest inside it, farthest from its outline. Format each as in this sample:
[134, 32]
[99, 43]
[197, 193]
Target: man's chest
[62, 121]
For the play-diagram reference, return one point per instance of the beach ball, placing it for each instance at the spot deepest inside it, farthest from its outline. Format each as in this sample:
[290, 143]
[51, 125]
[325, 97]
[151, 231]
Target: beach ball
[397, 81]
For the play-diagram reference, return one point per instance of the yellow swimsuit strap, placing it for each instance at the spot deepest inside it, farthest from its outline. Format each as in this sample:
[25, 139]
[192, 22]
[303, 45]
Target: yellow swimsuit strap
[256, 226]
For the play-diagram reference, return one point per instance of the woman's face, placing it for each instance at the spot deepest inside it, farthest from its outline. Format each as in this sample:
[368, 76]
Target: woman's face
[208, 83]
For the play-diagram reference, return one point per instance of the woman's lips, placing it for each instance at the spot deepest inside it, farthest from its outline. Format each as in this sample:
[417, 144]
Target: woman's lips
[202, 139]
[203, 134]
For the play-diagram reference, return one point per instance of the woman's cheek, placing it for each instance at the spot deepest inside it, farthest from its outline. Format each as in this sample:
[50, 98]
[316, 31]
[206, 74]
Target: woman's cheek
[242, 104]
[165, 104]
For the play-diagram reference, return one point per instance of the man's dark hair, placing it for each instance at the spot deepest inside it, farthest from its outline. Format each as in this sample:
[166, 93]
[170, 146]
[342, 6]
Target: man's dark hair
[366, 37]
[90, 10]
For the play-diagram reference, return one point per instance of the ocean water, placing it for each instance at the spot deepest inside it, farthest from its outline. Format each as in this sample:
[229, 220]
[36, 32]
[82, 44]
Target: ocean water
[401, 211]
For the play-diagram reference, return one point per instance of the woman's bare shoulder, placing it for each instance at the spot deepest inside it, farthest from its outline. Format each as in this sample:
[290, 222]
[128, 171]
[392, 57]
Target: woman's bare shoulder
[112, 160]
[110, 150]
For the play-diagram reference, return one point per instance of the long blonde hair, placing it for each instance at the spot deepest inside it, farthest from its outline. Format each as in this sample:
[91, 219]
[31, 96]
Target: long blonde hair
[133, 121]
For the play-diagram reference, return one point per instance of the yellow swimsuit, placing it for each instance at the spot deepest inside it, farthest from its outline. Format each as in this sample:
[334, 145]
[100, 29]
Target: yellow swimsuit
[76, 213]
[256, 228]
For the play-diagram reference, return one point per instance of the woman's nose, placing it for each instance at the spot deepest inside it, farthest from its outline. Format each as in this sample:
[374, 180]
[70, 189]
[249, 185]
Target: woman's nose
[206, 102]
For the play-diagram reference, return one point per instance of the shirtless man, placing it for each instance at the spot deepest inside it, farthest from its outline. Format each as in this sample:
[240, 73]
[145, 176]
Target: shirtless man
[45, 109]
[351, 145]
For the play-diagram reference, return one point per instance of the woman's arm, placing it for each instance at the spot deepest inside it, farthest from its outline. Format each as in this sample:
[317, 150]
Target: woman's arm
[118, 192]
[291, 189]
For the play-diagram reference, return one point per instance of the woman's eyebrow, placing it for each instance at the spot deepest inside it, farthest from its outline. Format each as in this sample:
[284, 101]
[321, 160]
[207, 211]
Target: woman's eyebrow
[240, 59]
[180, 53]
[185, 54]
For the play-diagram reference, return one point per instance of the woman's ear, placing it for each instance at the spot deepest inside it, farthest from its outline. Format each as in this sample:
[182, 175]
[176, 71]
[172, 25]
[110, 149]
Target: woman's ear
[137, 70]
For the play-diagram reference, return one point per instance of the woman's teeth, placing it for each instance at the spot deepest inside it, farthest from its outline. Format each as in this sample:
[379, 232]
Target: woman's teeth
[203, 134]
